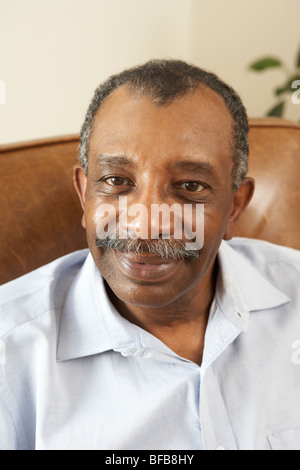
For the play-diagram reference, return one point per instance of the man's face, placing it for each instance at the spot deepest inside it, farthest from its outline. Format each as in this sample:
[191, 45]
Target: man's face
[179, 153]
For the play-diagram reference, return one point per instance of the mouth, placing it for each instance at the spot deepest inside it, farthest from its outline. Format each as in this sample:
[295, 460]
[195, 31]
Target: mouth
[146, 267]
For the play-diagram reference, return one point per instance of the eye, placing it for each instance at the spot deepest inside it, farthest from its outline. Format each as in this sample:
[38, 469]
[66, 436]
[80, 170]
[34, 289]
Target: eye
[192, 186]
[116, 181]
[114, 184]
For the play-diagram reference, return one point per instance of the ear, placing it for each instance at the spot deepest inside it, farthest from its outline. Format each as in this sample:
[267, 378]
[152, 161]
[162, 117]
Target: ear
[80, 183]
[241, 200]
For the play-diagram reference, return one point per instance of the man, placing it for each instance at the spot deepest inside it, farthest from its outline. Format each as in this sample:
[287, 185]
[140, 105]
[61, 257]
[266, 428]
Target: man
[166, 334]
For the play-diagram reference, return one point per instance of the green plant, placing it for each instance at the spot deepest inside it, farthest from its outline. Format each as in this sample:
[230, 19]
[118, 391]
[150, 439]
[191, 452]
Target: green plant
[283, 92]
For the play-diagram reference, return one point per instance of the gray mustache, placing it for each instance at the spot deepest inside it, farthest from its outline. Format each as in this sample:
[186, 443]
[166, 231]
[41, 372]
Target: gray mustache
[165, 249]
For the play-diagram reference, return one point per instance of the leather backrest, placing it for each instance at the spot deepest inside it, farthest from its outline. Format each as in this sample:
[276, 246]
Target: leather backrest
[274, 162]
[41, 214]
[40, 210]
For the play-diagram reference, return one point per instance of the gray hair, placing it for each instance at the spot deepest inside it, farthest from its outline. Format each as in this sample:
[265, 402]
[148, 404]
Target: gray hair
[165, 249]
[164, 81]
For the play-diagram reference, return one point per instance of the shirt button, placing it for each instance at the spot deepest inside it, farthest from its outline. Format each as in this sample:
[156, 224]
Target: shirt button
[220, 448]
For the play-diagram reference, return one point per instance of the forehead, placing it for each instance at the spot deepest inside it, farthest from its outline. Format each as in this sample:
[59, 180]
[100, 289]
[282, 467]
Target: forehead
[195, 124]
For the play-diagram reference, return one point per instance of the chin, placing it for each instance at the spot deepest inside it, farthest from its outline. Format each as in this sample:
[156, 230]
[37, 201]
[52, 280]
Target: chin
[142, 294]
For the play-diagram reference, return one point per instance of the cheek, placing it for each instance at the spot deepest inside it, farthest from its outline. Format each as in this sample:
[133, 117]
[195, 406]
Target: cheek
[104, 220]
[216, 221]
[90, 226]
[100, 219]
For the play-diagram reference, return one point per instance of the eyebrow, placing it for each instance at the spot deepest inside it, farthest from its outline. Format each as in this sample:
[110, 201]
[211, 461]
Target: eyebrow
[197, 167]
[104, 158]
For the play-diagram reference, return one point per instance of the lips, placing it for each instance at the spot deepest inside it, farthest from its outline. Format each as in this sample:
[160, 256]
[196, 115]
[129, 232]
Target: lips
[146, 267]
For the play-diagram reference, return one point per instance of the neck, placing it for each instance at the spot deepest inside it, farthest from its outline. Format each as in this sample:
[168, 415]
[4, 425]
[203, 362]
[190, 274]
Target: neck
[180, 325]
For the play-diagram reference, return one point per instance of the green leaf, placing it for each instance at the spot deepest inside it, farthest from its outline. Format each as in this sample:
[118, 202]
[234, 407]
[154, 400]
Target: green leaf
[287, 87]
[277, 110]
[281, 90]
[266, 63]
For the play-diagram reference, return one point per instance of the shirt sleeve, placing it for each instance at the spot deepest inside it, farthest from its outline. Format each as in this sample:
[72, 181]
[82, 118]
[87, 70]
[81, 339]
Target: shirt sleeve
[8, 435]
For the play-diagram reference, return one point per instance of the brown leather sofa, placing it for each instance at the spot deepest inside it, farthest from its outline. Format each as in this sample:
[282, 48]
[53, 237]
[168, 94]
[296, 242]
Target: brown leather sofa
[41, 214]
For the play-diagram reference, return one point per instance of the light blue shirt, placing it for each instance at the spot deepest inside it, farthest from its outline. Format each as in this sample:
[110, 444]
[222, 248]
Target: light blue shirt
[74, 374]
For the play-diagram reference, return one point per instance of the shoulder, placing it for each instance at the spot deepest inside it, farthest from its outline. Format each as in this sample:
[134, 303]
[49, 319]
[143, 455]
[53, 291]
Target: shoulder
[34, 294]
[278, 264]
[260, 252]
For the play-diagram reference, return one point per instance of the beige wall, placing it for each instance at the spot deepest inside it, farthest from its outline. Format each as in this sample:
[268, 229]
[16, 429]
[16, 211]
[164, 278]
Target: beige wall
[230, 34]
[53, 53]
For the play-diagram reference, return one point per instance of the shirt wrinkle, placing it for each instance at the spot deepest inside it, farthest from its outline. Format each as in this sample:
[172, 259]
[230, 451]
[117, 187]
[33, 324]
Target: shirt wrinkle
[114, 385]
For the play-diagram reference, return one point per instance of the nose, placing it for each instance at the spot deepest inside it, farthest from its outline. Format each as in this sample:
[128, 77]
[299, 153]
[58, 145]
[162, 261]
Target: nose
[150, 217]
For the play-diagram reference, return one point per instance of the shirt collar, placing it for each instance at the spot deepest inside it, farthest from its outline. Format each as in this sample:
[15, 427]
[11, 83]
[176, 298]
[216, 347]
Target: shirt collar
[91, 325]
[241, 288]
[89, 322]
